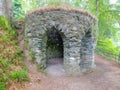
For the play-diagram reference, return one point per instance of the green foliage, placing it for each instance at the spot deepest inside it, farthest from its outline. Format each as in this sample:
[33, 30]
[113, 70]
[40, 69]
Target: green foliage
[106, 48]
[18, 11]
[4, 23]
[11, 57]
[32, 54]
[20, 75]
[57, 2]
[4, 76]
[2, 86]
[77, 3]
[31, 4]
[4, 38]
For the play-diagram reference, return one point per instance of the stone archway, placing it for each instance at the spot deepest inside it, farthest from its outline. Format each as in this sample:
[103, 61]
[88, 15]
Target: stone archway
[54, 43]
[77, 29]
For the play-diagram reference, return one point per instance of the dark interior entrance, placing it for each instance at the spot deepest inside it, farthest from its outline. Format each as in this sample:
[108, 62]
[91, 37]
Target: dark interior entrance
[54, 44]
[54, 52]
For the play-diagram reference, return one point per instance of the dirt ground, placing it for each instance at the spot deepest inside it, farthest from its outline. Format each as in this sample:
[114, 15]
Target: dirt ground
[106, 76]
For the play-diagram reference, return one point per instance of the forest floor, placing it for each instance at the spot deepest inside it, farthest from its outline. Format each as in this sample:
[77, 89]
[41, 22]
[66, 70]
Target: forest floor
[106, 76]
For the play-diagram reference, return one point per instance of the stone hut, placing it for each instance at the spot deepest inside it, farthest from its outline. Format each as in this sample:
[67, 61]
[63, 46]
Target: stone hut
[67, 33]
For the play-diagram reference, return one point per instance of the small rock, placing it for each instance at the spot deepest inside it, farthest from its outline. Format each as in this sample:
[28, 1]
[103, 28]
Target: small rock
[29, 34]
[75, 28]
[33, 24]
[38, 80]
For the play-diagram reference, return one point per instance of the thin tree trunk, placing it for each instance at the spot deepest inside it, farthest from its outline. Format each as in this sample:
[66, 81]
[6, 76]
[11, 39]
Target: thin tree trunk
[6, 8]
[2, 8]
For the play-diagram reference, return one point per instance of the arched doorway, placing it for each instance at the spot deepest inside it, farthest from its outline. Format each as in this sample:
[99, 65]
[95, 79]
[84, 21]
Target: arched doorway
[54, 52]
[54, 46]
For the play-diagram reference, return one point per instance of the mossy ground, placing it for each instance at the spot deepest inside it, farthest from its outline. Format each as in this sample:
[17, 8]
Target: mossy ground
[12, 68]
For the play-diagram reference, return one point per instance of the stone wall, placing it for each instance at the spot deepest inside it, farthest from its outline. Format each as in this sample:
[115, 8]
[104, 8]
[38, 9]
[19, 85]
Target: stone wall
[75, 31]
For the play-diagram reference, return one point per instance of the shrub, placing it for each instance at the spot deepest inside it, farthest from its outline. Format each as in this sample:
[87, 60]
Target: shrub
[11, 56]
[21, 75]
[105, 47]
[2, 86]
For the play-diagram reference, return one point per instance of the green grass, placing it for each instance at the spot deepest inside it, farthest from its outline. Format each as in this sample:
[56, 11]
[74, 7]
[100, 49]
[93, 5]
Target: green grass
[20, 76]
[32, 55]
[12, 67]
[2, 86]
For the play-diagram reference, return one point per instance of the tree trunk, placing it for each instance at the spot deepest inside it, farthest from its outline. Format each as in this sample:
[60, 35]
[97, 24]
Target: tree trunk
[6, 8]
[97, 7]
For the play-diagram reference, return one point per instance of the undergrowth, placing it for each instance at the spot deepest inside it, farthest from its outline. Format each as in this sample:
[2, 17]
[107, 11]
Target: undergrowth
[106, 48]
[12, 68]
